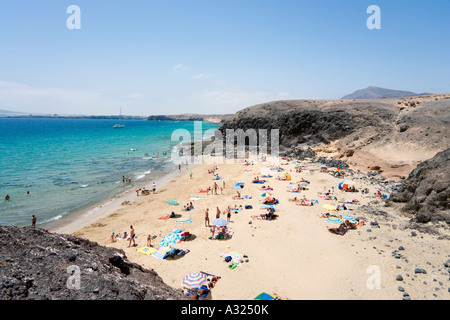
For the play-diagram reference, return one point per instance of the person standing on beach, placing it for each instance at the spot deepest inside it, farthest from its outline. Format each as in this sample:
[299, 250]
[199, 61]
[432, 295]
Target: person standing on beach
[218, 213]
[179, 168]
[207, 217]
[33, 221]
[154, 187]
[131, 237]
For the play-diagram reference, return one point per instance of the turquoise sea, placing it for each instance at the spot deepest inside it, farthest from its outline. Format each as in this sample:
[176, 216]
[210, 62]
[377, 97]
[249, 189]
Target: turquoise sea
[69, 164]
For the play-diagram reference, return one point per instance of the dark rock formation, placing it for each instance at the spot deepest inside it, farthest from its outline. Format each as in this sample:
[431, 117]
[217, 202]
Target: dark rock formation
[311, 122]
[426, 191]
[38, 265]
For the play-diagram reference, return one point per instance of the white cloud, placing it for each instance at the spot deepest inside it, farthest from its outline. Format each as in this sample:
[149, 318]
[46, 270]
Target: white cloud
[203, 76]
[179, 66]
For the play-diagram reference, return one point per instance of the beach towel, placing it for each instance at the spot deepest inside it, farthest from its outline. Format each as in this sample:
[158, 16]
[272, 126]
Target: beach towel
[203, 190]
[183, 221]
[158, 254]
[146, 250]
[235, 256]
[164, 217]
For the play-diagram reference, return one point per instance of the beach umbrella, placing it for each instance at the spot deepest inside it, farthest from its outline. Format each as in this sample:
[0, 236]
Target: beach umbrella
[195, 198]
[346, 216]
[334, 220]
[172, 202]
[264, 296]
[265, 194]
[194, 280]
[220, 222]
[170, 240]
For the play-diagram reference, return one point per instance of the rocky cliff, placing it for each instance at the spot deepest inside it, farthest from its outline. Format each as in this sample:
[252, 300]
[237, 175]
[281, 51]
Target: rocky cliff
[426, 191]
[38, 265]
[391, 134]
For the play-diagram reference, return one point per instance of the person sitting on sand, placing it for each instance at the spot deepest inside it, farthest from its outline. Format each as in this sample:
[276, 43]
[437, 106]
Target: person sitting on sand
[238, 196]
[149, 240]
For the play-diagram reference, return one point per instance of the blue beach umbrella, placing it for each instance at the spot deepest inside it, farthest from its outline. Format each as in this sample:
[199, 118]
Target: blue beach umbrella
[220, 222]
[172, 202]
[170, 240]
[264, 296]
[334, 220]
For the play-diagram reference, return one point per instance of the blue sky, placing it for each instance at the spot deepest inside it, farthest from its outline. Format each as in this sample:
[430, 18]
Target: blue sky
[194, 56]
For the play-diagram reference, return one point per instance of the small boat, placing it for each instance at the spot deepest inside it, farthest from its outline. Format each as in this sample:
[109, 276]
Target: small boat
[119, 125]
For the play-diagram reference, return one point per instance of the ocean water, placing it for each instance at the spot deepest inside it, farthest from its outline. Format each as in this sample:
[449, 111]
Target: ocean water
[69, 164]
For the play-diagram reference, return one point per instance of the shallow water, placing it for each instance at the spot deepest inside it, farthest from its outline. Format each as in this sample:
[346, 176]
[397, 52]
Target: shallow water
[69, 164]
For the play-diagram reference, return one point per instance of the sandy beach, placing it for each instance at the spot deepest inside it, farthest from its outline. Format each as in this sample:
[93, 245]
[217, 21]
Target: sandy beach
[293, 257]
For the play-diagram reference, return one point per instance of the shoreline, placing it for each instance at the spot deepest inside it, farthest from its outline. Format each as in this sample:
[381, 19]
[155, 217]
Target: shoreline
[89, 215]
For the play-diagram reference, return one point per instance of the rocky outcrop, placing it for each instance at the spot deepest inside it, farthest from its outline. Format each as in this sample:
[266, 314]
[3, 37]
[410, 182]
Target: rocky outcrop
[426, 191]
[38, 265]
[313, 122]
[392, 134]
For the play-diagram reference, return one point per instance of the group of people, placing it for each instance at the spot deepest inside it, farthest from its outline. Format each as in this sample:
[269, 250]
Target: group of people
[125, 236]
[145, 192]
[188, 207]
[126, 179]
[203, 291]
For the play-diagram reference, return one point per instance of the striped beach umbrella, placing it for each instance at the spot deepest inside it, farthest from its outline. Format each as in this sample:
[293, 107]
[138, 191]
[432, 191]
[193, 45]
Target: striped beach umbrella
[266, 194]
[194, 280]
[170, 240]
[346, 216]
[334, 220]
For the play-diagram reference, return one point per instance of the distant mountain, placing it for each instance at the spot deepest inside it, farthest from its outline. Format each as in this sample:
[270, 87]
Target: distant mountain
[7, 113]
[378, 93]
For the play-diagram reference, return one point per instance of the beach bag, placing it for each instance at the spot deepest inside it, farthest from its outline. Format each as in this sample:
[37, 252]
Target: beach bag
[248, 206]
[228, 258]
